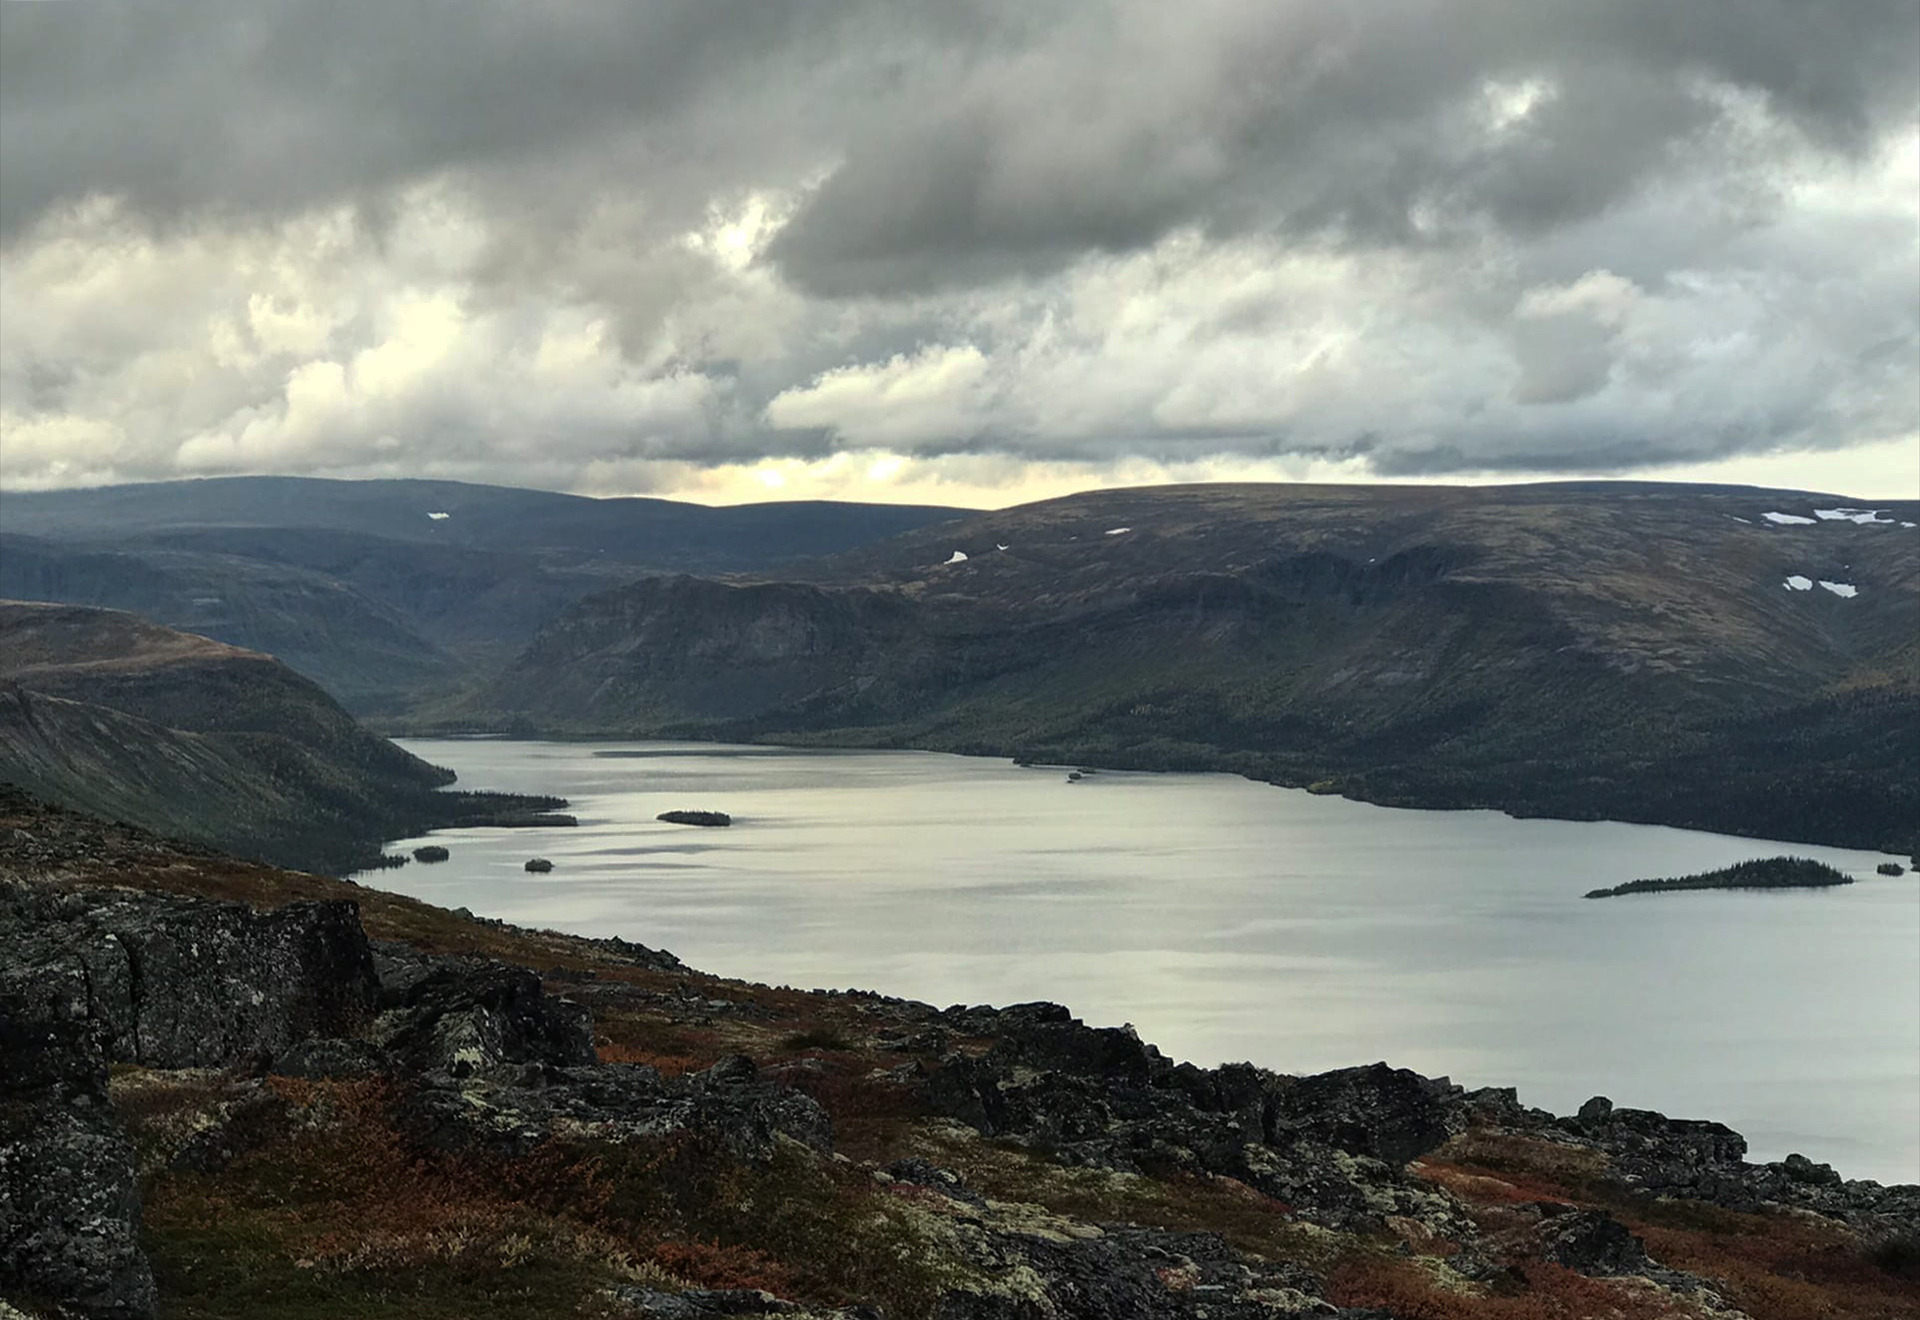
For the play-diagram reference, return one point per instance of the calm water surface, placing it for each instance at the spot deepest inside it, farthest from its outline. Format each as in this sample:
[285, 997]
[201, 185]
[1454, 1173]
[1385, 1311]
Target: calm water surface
[1232, 920]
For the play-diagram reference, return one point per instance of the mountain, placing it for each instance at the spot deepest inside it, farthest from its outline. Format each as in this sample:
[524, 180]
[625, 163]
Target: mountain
[365, 651]
[388, 591]
[666, 534]
[1716, 657]
[234, 1091]
[108, 713]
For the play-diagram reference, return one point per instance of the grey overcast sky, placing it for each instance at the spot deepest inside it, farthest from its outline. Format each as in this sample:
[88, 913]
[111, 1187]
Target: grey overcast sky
[965, 252]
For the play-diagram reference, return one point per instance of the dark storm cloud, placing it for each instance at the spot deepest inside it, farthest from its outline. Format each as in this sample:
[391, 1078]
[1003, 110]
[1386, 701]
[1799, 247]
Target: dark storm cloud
[274, 106]
[1350, 123]
[1483, 234]
[976, 137]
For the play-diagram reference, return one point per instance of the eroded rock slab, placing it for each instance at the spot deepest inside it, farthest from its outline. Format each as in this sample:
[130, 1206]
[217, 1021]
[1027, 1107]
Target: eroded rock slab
[174, 982]
[69, 1201]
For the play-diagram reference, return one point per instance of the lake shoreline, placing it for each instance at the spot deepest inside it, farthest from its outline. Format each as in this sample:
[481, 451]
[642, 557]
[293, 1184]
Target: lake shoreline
[1375, 787]
[1228, 921]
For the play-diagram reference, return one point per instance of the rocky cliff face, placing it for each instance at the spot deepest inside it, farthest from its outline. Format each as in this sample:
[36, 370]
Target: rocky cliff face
[175, 982]
[69, 1201]
[416, 1122]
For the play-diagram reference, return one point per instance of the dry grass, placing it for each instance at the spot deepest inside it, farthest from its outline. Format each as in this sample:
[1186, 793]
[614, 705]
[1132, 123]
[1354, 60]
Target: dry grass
[1417, 1290]
[1771, 1266]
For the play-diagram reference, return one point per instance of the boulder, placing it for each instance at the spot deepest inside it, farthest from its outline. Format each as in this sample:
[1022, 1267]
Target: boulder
[1803, 1170]
[329, 1057]
[177, 982]
[1590, 1242]
[466, 1016]
[1665, 1156]
[1330, 1146]
[69, 1198]
[700, 1303]
[1391, 1114]
[512, 1111]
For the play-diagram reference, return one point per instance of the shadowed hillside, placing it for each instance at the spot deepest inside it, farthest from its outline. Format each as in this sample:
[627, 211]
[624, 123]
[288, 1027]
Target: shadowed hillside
[385, 591]
[109, 713]
[1650, 652]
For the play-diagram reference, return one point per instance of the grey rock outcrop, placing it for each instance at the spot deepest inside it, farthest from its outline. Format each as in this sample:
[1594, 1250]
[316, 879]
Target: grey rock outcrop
[175, 982]
[1331, 1146]
[120, 976]
[512, 1110]
[469, 1016]
[1706, 1161]
[69, 1203]
[1591, 1242]
[1390, 1114]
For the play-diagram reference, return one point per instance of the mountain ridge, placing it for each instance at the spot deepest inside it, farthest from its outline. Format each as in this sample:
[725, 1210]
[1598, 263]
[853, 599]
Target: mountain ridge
[1561, 650]
[385, 591]
[195, 737]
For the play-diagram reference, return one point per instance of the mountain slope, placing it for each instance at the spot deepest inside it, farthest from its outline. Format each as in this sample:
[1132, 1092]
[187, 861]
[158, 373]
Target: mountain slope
[365, 652]
[1638, 650]
[659, 533]
[388, 591]
[108, 713]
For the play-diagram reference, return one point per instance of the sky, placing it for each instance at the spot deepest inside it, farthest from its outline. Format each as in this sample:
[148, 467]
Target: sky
[957, 252]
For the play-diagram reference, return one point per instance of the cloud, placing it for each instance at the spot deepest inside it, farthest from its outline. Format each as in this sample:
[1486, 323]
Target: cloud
[591, 243]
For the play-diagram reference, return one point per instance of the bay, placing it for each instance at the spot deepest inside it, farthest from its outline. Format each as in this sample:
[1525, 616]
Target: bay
[1228, 920]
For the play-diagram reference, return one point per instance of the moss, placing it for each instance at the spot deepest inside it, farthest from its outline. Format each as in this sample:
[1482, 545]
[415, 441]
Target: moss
[1250, 1221]
[239, 1269]
[820, 1038]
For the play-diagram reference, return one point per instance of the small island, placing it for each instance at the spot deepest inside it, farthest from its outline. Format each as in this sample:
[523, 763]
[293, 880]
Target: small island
[527, 820]
[710, 818]
[539, 865]
[432, 852]
[1890, 868]
[1764, 873]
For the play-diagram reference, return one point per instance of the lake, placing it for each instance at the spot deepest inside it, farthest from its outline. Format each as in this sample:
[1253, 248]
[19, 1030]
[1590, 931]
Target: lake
[1231, 920]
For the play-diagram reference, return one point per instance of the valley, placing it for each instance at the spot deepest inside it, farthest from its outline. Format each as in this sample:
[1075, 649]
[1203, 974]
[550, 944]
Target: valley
[1721, 658]
[1612, 650]
[386, 592]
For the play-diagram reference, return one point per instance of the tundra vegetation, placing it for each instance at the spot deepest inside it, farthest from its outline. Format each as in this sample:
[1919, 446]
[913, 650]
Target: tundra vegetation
[366, 1105]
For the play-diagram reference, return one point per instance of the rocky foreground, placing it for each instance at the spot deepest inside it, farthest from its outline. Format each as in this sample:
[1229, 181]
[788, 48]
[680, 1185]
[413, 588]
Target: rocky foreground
[232, 1091]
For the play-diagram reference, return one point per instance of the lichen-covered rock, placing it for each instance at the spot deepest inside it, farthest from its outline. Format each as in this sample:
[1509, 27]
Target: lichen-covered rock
[69, 1202]
[1331, 1146]
[1591, 1242]
[331, 1057]
[1664, 1155]
[1705, 1161]
[702, 1303]
[469, 1016]
[176, 982]
[511, 1111]
[89, 977]
[1128, 1270]
[1390, 1114]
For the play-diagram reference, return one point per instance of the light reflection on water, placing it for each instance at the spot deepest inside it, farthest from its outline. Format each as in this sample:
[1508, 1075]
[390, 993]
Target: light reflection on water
[1234, 920]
